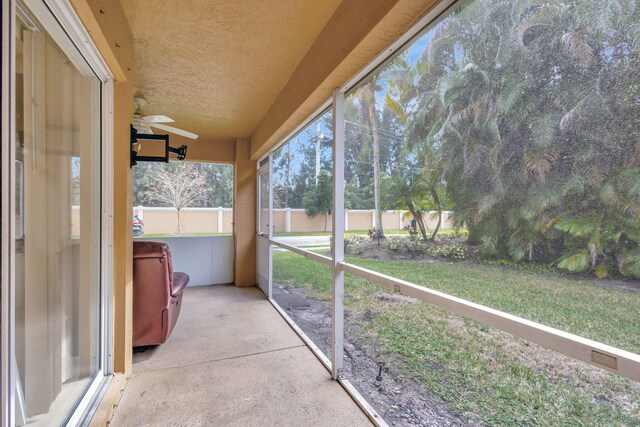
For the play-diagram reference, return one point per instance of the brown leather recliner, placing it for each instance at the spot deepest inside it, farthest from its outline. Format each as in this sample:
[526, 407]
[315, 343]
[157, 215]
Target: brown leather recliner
[157, 293]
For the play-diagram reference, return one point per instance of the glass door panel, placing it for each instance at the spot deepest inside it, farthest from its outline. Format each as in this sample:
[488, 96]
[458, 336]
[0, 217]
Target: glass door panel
[57, 187]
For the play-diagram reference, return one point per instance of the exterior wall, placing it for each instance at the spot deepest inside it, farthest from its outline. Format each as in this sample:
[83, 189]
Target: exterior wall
[206, 150]
[206, 220]
[390, 220]
[359, 220]
[280, 220]
[302, 223]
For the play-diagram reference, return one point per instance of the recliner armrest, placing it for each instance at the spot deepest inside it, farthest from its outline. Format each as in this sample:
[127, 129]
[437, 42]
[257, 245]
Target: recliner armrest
[180, 281]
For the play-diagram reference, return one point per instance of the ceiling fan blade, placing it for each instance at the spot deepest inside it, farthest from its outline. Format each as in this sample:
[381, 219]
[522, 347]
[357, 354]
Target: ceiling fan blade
[158, 118]
[175, 130]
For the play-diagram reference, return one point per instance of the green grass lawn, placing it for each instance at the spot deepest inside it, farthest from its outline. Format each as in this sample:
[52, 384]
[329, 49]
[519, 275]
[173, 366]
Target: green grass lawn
[485, 375]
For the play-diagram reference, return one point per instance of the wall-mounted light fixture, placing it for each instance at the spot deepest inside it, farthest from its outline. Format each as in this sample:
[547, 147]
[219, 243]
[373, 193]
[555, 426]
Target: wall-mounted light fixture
[181, 151]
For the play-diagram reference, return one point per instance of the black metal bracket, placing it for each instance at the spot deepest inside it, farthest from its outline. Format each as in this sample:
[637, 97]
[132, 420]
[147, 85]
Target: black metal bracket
[181, 152]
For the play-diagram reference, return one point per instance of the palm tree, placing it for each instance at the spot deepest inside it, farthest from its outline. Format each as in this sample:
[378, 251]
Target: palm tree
[367, 100]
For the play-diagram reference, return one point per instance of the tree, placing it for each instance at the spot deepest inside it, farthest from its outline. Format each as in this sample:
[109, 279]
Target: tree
[367, 100]
[530, 107]
[177, 187]
[319, 199]
[417, 179]
[218, 182]
[406, 191]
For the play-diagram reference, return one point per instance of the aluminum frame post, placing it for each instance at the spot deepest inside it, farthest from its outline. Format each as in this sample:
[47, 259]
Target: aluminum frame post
[271, 226]
[337, 324]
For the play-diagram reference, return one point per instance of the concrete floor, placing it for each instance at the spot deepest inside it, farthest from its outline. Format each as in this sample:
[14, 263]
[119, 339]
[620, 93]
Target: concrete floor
[232, 361]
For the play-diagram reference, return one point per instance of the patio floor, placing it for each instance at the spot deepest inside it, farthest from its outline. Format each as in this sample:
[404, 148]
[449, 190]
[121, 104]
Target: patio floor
[232, 360]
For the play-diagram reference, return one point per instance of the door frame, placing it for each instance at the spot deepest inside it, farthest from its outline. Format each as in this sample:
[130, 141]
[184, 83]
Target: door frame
[264, 167]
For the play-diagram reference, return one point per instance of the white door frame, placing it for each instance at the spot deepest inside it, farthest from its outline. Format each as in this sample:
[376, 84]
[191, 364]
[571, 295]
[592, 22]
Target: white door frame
[262, 239]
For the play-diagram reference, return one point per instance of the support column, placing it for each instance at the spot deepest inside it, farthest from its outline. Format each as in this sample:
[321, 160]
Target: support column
[123, 233]
[287, 220]
[244, 214]
[220, 222]
[337, 324]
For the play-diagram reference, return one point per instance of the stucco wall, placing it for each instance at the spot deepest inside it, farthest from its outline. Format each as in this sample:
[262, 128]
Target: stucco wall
[220, 220]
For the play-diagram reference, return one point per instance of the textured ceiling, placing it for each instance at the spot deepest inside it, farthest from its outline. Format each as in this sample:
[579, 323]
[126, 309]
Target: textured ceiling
[215, 66]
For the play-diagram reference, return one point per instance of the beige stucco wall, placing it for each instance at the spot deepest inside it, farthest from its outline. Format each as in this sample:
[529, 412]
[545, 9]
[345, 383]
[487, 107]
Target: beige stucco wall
[194, 220]
[301, 222]
[205, 220]
[359, 220]
[279, 220]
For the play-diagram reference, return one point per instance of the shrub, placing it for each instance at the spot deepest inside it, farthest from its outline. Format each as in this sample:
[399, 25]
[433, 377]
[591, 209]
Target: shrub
[395, 243]
[354, 240]
[453, 251]
[351, 240]
[453, 233]
[411, 244]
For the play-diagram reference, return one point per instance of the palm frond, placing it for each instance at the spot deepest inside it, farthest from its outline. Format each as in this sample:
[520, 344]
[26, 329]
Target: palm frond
[571, 117]
[630, 183]
[513, 92]
[632, 29]
[578, 227]
[544, 130]
[630, 263]
[540, 163]
[394, 106]
[577, 262]
[576, 46]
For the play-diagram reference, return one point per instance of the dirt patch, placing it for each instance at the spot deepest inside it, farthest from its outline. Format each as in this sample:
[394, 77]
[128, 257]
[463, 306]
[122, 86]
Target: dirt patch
[400, 401]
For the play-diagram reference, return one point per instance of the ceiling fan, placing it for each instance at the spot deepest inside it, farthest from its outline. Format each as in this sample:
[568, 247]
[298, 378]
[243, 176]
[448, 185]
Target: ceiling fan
[143, 124]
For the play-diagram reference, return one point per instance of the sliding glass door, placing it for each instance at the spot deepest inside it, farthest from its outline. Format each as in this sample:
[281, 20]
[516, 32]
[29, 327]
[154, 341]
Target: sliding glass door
[56, 210]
